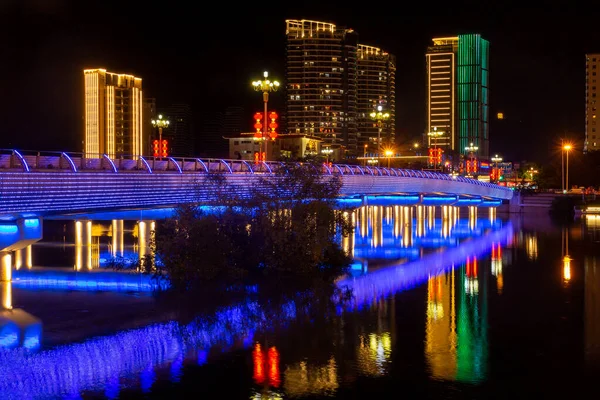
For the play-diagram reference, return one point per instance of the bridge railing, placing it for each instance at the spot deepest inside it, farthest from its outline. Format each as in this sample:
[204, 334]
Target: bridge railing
[28, 160]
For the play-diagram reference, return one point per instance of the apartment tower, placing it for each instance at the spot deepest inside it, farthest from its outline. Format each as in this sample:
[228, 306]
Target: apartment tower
[592, 134]
[376, 85]
[113, 114]
[180, 131]
[457, 93]
[321, 82]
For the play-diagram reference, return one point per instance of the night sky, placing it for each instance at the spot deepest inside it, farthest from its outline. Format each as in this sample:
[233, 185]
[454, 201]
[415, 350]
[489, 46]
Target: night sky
[206, 54]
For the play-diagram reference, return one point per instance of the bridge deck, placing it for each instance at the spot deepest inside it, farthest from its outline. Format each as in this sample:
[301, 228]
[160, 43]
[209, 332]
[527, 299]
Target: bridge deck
[62, 183]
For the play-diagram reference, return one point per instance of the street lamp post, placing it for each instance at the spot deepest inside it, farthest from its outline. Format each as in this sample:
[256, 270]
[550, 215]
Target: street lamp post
[379, 116]
[327, 151]
[265, 86]
[435, 134]
[160, 123]
[497, 159]
[389, 154]
[532, 171]
[365, 155]
[471, 149]
[567, 148]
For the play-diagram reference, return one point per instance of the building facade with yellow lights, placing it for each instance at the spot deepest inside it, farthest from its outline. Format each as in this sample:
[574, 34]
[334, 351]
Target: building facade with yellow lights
[376, 85]
[592, 130]
[113, 114]
[321, 82]
[457, 93]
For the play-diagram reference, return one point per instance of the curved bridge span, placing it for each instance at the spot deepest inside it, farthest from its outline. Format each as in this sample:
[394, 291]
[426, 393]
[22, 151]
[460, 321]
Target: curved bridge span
[55, 183]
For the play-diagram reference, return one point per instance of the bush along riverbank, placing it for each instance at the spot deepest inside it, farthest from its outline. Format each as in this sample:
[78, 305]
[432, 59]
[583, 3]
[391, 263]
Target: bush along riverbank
[282, 237]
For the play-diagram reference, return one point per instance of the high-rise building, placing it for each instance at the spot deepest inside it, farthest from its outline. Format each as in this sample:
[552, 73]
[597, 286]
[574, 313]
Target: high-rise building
[235, 121]
[321, 82]
[592, 134]
[113, 114]
[148, 130]
[179, 134]
[457, 93]
[376, 85]
[209, 141]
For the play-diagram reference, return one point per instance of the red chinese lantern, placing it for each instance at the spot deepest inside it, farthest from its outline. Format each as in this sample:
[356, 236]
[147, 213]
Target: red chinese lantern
[273, 125]
[258, 125]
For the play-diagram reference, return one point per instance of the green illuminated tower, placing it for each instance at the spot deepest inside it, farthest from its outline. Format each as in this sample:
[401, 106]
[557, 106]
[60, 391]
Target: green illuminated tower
[457, 88]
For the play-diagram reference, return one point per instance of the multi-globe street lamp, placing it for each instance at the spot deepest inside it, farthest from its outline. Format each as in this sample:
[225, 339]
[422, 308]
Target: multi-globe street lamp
[497, 159]
[327, 151]
[471, 149]
[532, 171]
[160, 123]
[265, 86]
[435, 134]
[379, 116]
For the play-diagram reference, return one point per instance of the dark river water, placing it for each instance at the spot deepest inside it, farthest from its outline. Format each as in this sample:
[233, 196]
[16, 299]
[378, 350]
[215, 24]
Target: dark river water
[442, 308]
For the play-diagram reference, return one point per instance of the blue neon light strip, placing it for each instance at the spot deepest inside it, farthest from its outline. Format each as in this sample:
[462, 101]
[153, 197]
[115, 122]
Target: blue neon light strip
[438, 200]
[31, 223]
[98, 363]
[6, 229]
[87, 280]
[393, 200]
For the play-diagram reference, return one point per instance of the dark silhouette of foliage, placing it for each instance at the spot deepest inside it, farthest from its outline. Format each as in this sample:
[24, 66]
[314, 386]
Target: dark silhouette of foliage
[283, 233]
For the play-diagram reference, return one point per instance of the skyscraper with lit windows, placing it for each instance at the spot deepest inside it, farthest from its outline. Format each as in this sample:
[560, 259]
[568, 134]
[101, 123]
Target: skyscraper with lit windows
[376, 85]
[321, 79]
[457, 93]
[592, 131]
[113, 107]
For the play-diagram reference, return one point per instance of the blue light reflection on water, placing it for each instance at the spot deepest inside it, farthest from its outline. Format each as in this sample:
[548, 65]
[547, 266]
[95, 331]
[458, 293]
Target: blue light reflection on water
[97, 364]
[404, 276]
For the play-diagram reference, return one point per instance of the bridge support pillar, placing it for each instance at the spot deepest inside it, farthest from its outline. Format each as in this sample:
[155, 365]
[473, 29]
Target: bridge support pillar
[6, 296]
[420, 221]
[492, 214]
[445, 213]
[5, 266]
[407, 227]
[430, 217]
[472, 217]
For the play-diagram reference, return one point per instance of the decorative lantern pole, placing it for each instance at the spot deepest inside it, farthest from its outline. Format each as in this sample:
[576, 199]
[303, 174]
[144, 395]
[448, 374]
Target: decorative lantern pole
[265, 86]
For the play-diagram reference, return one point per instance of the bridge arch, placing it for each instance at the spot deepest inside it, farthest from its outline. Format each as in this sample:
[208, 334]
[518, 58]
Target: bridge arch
[172, 161]
[65, 156]
[21, 159]
[146, 165]
[199, 161]
[227, 165]
[106, 158]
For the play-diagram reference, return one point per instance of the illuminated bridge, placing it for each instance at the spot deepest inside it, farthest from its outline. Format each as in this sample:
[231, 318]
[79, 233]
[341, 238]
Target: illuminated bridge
[39, 184]
[34, 185]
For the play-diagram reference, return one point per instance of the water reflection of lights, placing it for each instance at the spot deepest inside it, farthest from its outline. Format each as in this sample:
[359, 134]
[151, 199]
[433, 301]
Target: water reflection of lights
[304, 379]
[531, 246]
[567, 268]
[497, 266]
[405, 275]
[74, 368]
[435, 307]
[471, 277]
[374, 352]
[269, 364]
[440, 331]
